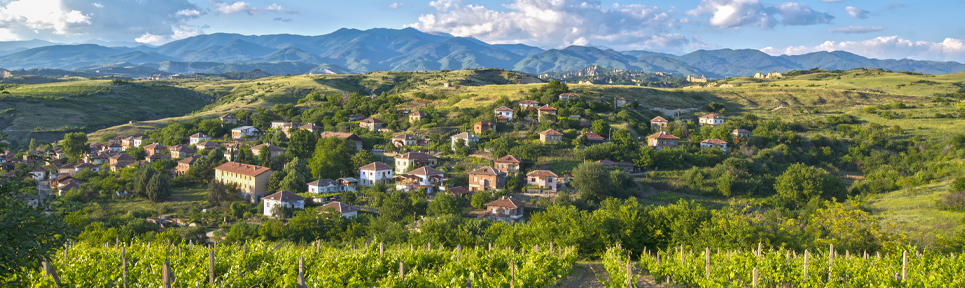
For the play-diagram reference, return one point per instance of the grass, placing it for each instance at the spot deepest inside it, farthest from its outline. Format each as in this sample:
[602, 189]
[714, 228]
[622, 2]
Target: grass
[914, 211]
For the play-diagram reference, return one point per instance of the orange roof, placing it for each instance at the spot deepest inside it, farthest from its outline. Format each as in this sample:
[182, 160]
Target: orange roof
[155, 146]
[741, 131]
[376, 166]
[425, 171]
[551, 132]
[591, 135]
[243, 169]
[508, 202]
[270, 148]
[418, 113]
[547, 108]
[569, 95]
[508, 159]
[416, 156]
[658, 119]
[284, 196]
[487, 170]
[503, 109]
[541, 174]
[371, 120]
[340, 207]
[712, 116]
[459, 191]
[714, 141]
[485, 123]
[663, 135]
[342, 135]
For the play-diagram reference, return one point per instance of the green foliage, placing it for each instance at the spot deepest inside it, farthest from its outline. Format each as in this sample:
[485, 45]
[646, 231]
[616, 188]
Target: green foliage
[217, 192]
[301, 144]
[596, 183]
[600, 127]
[332, 158]
[801, 183]
[443, 204]
[75, 144]
[158, 188]
[396, 206]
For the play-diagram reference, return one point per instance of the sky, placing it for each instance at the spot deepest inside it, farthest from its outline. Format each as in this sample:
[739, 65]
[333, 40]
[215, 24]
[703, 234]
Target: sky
[921, 30]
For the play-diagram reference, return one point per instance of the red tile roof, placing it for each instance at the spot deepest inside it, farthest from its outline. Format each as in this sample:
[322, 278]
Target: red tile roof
[155, 146]
[374, 166]
[547, 108]
[658, 119]
[416, 156]
[503, 109]
[350, 136]
[551, 132]
[425, 171]
[714, 141]
[487, 170]
[284, 196]
[508, 159]
[569, 95]
[271, 148]
[593, 136]
[371, 120]
[243, 169]
[340, 207]
[200, 135]
[541, 174]
[663, 135]
[459, 191]
[507, 202]
[712, 116]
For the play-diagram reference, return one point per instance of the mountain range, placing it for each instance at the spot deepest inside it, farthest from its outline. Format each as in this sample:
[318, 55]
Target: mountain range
[358, 51]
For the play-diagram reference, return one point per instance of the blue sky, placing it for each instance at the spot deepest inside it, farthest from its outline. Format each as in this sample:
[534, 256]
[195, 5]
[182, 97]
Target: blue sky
[929, 30]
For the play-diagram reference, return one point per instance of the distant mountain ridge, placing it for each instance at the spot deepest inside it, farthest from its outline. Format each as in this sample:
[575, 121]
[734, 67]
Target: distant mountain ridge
[357, 51]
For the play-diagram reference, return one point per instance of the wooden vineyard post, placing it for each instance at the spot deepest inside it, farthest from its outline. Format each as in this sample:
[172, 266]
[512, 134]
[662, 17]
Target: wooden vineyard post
[244, 252]
[301, 272]
[66, 250]
[381, 249]
[402, 270]
[179, 252]
[49, 271]
[904, 266]
[805, 265]
[512, 274]
[458, 253]
[211, 267]
[629, 274]
[682, 256]
[658, 257]
[707, 261]
[490, 246]
[760, 249]
[166, 278]
[124, 267]
[429, 247]
[754, 279]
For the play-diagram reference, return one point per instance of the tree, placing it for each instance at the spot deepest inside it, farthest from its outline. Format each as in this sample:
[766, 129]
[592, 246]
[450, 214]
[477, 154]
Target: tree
[592, 181]
[141, 179]
[800, 183]
[332, 158]
[238, 209]
[158, 188]
[75, 144]
[644, 157]
[625, 139]
[264, 156]
[294, 182]
[396, 206]
[443, 204]
[301, 144]
[217, 192]
[298, 167]
[479, 199]
[601, 127]
[274, 181]
[363, 158]
[959, 184]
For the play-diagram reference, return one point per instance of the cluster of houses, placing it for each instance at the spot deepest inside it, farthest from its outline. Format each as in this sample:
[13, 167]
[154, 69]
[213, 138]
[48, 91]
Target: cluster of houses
[662, 139]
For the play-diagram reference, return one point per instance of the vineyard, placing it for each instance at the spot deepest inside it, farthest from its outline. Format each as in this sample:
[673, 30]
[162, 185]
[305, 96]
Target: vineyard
[262, 264]
[784, 268]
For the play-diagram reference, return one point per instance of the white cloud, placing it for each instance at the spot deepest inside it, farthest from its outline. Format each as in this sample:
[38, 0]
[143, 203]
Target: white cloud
[7, 35]
[856, 13]
[395, 6]
[856, 29]
[274, 7]
[739, 13]
[189, 13]
[891, 47]
[236, 7]
[48, 15]
[179, 33]
[152, 39]
[558, 23]
[98, 5]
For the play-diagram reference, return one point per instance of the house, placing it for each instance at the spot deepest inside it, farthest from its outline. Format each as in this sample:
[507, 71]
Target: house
[86, 166]
[741, 133]
[408, 161]
[550, 136]
[311, 127]
[658, 123]
[252, 180]
[228, 118]
[206, 145]
[508, 164]
[198, 138]
[155, 148]
[505, 209]
[543, 180]
[713, 143]
[181, 151]
[70, 184]
[323, 186]
[244, 132]
[272, 149]
[482, 126]
[38, 174]
[285, 199]
[711, 119]
[417, 116]
[486, 178]
[466, 138]
[613, 165]
[528, 104]
[283, 125]
[348, 183]
[135, 141]
[98, 158]
[620, 102]
[426, 177]
[121, 158]
[347, 211]
[351, 137]
[113, 148]
[593, 138]
[371, 123]
[550, 113]
[569, 96]
[662, 140]
[504, 114]
[156, 157]
[408, 140]
[185, 164]
[375, 173]
[355, 117]
[460, 192]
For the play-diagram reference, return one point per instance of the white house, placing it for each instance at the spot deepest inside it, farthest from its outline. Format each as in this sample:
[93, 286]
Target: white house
[244, 131]
[198, 138]
[375, 173]
[504, 114]
[712, 119]
[713, 143]
[347, 211]
[425, 177]
[348, 183]
[323, 186]
[284, 198]
[466, 137]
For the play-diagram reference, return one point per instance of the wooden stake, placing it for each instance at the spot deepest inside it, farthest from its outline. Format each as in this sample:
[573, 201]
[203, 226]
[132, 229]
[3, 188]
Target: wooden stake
[658, 257]
[707, 261]
[805, 265]
[49, 271]
[682, 256]
[458, 253]
[629, 274]
[211, 267]
[66, 250]
[512, 274]
[381, 249]
[166, 278]
[244, 252]
[402, 270]
[760, 248]
[754, 281]
[301, 272]
[179, 252]
[904, 266]
[124, 266]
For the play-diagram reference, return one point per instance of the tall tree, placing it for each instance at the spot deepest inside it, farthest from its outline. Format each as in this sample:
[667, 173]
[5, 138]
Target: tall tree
[75, 144]
[363, 158]
[443, 204]
[800, 183]
[332, 158]
[144, 175]
[264, 156]
[299, 167]
[274, 181]
[217, 192]
[600, 127]
[301, 144]
[158, 188]
[592, 180]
